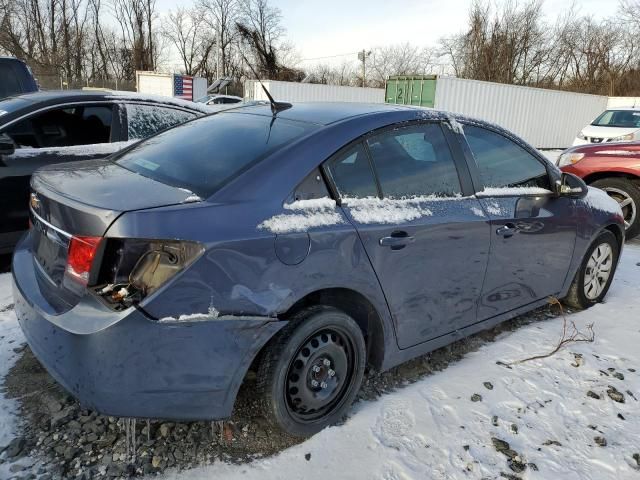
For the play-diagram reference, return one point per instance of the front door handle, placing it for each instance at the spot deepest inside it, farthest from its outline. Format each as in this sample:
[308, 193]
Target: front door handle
[397, 240]
[507, 230]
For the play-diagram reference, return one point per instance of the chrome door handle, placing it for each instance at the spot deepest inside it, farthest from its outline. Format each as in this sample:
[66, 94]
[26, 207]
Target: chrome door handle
[397, 240]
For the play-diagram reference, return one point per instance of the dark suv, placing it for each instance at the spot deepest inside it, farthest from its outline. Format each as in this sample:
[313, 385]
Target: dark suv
[16, 77]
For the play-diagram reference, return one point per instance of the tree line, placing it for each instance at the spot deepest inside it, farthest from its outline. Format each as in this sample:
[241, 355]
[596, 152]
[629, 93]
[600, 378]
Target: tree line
[513, 43]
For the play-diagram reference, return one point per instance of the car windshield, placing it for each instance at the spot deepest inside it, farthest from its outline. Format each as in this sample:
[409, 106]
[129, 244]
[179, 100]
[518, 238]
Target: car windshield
[204, 154]
[618, 118]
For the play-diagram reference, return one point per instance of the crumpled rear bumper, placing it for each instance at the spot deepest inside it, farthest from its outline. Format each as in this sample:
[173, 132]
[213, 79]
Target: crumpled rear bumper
[135, 366]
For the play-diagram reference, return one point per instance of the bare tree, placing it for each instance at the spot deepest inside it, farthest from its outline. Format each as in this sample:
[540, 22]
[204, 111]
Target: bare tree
[185, 30]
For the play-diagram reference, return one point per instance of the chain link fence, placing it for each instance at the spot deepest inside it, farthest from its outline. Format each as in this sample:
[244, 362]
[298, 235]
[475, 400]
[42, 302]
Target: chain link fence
[58, 82]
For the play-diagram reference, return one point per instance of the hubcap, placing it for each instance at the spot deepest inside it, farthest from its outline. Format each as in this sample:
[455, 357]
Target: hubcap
[319, 375]
[628, 206]
[598, 271]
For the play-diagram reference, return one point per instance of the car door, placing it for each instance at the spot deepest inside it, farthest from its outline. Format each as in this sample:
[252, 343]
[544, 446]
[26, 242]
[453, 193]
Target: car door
[533, 231]
[143, 120]
[404, 191]
[60, 134]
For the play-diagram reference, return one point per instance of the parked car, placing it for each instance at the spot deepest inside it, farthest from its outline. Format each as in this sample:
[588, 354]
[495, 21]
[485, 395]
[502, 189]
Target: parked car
[219, 99]
[614, 125]
[16, 77]
[613, 168]
[42, 128]
[305, 243]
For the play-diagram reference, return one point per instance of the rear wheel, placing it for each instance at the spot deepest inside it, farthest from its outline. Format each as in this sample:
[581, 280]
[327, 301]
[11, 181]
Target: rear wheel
[627, 194]
[311, 371]
[593, 279]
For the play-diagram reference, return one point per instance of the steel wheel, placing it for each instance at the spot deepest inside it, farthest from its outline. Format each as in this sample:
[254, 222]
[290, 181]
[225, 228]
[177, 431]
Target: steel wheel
[598, 270]
[628, 206]
[319, 375]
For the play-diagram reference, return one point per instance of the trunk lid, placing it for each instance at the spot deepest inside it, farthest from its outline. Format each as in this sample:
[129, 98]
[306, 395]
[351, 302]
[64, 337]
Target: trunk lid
[83, 199]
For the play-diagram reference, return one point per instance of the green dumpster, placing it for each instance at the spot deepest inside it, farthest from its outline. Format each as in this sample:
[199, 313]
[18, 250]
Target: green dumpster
[419, 90]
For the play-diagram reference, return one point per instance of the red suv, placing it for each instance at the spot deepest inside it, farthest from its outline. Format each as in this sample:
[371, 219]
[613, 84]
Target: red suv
[614, 168]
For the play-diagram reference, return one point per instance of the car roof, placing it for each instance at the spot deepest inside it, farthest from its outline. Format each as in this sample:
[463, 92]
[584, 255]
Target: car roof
[623, 108]
[53, 96]
[325, 113]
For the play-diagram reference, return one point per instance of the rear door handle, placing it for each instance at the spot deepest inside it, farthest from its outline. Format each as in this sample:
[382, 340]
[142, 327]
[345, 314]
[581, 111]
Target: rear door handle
[397, 240]
[507, 230]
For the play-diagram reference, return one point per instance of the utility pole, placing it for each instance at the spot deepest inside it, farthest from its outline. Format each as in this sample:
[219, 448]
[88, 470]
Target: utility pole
[362, 56]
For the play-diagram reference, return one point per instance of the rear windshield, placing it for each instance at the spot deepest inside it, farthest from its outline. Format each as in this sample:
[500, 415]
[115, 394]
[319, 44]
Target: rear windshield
[203, 154]
[618, 118]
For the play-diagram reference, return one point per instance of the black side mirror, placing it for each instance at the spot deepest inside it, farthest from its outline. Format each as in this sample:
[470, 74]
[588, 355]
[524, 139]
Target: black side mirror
[570, 185]
[7, 147]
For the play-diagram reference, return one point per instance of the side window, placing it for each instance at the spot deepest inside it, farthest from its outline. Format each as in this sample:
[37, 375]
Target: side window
[503, 163]
[414, 161]
[145, 120]
[64, 127]
[352, 174]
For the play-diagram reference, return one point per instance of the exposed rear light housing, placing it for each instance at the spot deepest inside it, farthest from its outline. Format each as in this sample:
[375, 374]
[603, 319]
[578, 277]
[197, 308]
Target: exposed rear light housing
[80, 257]
[133, 269]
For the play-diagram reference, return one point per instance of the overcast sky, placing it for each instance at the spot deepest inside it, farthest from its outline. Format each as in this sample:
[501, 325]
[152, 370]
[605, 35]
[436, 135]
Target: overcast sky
[334, 27]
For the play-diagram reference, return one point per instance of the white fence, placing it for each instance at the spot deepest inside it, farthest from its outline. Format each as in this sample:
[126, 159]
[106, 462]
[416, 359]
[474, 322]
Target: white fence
[311, 92]
[544, 118]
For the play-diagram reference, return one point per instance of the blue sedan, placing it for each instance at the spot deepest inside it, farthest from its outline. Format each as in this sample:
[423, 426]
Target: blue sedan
[304, 242]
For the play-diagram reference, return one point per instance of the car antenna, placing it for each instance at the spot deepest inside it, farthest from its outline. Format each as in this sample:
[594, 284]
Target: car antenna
[275, 106]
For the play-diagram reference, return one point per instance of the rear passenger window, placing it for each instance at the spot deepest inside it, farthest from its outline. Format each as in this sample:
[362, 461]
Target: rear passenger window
[503, 163]
[352, 174]
[64, 127]
[414, 161]
[146, 120]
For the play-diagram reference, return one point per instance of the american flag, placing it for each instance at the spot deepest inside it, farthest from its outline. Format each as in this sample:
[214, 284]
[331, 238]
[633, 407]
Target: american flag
[183, 87]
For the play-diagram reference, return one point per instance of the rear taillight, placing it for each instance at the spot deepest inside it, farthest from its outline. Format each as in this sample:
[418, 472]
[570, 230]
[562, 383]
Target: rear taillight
[132, 269]
[82, 251]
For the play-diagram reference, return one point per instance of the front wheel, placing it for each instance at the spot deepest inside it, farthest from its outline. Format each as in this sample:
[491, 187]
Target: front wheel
[593, 279]
[311, 371]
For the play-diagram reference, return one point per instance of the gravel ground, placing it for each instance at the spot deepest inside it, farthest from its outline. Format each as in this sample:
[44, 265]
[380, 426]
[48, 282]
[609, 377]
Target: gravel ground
[60, 439]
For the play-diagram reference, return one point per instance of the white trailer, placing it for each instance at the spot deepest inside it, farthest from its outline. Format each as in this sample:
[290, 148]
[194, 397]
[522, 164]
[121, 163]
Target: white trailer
[164, 84]
[544, 118]
[311, 92]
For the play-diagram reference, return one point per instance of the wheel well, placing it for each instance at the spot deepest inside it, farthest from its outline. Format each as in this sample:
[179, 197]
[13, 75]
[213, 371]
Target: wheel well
[589, 179]
[358, 307]
[617, 231]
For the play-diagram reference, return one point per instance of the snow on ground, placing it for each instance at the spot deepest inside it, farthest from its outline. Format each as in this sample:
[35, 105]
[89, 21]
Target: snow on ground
[433, 429]
[10, 337]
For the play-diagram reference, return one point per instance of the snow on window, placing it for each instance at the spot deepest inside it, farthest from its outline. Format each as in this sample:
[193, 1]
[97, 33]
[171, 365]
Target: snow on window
[73, 151]
[160, 99]
[388, 210]
[599, 200]
[319, 212]
[616, 152]
[512, 191]
[145, 120]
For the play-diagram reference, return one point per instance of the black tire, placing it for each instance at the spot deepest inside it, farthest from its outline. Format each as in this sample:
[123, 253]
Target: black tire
[620, 189]
[579, 296]
[286, 372]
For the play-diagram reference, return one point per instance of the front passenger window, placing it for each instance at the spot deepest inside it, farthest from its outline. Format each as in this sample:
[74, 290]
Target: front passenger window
[502, 162]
